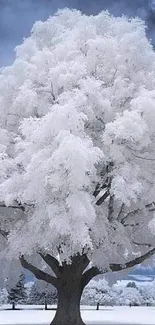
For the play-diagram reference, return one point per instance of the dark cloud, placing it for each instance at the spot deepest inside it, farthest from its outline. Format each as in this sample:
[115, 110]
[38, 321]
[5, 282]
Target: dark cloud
[18, 16]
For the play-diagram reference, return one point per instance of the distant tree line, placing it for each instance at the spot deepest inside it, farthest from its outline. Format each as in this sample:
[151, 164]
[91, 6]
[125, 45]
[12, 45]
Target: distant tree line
[96, 293]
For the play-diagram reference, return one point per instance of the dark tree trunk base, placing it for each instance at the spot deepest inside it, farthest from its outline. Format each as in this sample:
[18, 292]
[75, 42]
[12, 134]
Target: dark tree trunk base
[69, 295]
[68, 310]
[67, 322]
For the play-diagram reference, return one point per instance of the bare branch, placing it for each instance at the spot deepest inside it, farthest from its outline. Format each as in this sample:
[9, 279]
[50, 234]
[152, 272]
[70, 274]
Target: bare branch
[103, 198]
[150, 207]
[18, 206]
[142, 244]
[97, 190]
[38, 273]
[136, 261]
[131, 224]
[143, 158]
[129, 214]
[111, 208]
[119, 218]
[106, 185]
[52, 93]
[52, 262]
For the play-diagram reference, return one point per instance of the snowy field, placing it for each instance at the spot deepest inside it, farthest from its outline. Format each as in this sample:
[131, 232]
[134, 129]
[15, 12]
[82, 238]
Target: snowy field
[105, 316]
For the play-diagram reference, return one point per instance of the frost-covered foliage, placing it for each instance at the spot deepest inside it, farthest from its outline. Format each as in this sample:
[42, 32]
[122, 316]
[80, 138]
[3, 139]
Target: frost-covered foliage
[99, 292]
[148, 293]
[118, 295]
[77, 141]
[128, 295]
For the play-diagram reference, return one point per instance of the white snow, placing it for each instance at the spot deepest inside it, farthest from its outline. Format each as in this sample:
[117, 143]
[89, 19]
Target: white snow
[107, 315]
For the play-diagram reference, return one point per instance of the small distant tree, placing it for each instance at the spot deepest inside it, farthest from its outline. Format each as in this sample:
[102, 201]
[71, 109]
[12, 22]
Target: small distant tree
[18, 294]
[131, 285]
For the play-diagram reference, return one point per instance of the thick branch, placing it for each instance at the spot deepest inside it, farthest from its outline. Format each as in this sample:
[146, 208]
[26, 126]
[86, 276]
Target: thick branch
[52, 262]
[89, 274]
[79, 263]
[40, 275]
[138, 260]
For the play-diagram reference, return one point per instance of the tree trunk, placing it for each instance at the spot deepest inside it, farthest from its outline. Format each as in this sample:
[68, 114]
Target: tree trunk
[70, 281]
[68, 309]
[70, 290]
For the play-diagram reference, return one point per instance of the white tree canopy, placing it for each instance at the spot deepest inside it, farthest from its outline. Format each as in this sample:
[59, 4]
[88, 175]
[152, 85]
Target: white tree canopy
[77, 140]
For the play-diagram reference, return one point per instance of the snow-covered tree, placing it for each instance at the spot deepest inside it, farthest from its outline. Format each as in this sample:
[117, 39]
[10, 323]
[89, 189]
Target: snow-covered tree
[18, 293]
[99, 292]
[148, 293]
[128, 295]
[77, 150]
[131, 285]
[38, 294]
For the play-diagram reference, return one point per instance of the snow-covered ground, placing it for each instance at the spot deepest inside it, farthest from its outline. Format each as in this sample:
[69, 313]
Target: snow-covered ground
[108, 316]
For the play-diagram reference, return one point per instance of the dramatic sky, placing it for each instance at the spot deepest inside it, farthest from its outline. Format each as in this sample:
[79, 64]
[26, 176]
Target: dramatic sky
[18, 16]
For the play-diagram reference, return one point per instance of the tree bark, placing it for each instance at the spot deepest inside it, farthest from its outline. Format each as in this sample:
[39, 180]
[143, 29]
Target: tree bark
[68, 308]
[70, 291]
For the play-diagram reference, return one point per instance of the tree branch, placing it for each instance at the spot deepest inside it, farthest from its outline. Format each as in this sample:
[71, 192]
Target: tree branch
[150, 207]
[131, 213]
[103, 198]
[89, 274]
[106, 185]
[119, 217]
[111, 208]
[144, 158]
[52, 262]
[142, 244]
[18, 206]
[137, 260]
[40, 275]
[94, 271]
